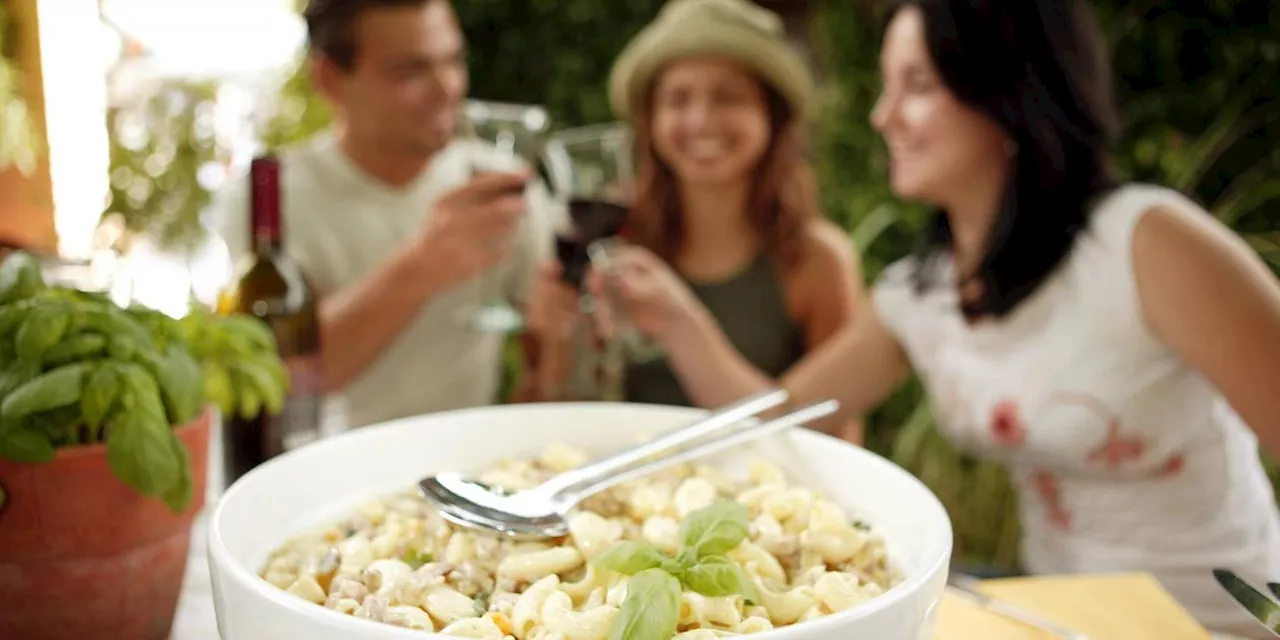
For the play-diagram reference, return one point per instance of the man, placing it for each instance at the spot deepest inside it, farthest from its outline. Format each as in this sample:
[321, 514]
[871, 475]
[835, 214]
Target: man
[384, 216]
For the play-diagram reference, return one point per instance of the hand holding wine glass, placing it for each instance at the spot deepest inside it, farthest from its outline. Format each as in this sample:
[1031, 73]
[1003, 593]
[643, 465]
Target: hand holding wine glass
[641, 294]
[470, 229]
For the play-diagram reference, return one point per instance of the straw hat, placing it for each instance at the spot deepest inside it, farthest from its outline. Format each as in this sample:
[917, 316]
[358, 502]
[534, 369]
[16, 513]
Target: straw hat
[736, 29]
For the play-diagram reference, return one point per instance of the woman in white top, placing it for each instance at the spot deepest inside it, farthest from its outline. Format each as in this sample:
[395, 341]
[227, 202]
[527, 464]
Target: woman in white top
[1102, 340]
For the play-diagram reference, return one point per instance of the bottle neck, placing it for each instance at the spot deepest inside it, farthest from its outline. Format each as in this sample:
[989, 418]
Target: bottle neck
[264, 204]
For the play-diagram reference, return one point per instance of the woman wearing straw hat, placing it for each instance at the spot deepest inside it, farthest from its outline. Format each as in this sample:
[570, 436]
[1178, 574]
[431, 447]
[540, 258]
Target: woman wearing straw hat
[719, 103]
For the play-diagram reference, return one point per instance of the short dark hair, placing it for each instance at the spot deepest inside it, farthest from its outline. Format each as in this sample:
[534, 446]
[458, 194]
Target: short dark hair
[1038, 69]
[331, 25]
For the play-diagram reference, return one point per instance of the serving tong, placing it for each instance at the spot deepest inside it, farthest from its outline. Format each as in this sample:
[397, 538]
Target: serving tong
[540, 512]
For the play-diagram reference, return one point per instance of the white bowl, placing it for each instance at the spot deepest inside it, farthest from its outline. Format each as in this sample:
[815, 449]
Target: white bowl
[324, 480]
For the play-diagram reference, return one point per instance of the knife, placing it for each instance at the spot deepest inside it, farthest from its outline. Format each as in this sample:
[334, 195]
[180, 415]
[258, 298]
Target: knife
[966, 587]
[1275, 588]
[1263, 609]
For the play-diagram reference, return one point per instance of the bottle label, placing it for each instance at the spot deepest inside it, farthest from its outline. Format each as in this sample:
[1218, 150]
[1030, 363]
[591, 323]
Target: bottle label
[300, 421]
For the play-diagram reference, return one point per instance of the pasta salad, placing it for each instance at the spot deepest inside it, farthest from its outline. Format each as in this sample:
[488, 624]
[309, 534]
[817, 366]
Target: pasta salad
[688, 553]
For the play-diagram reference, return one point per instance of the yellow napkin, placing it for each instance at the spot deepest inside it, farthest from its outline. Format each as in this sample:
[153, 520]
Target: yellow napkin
[1105, 607]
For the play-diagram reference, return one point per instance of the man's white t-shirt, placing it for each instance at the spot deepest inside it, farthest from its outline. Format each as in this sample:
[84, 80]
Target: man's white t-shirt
[339, 223]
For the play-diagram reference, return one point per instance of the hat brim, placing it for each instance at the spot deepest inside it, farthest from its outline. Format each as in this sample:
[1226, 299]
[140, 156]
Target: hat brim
[648, 54]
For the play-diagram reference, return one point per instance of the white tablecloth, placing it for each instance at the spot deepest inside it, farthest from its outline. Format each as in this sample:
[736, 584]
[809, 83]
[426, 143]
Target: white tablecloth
[196, 619]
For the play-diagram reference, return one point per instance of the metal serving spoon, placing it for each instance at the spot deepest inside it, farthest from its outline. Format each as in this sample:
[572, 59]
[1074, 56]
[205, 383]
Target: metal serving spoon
[540, 512]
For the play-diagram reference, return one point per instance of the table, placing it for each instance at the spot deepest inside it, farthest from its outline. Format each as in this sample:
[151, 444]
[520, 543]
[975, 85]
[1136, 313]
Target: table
[1131, 606]
[196, 619]
[1086, 603]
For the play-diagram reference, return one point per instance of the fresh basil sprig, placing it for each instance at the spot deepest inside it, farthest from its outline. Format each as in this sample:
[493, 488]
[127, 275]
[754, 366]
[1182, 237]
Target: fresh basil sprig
[715, 530]
[651, 610]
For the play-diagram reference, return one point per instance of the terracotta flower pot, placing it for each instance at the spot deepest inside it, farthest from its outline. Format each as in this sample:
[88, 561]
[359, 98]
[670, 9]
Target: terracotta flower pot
[82, 555]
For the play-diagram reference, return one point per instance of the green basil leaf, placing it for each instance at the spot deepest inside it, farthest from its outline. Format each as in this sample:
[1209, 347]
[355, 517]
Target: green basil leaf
[630, 558]
[75, 348]
[162, 329]
[140, 453]
[714, 530]
[178, 497]
[101, 392]
[182, 384]
[57, 388]
[250, 403]
[651, 610]
[250, 329]
[122, 347]
[26, 444]
[141, 393]
[20, 277]
[16, 375]
[11, 317]
[717, 576]
[218, 388]
[41, 331]
[248, 374]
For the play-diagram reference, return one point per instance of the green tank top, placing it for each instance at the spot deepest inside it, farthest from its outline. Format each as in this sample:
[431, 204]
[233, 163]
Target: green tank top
[751, 308]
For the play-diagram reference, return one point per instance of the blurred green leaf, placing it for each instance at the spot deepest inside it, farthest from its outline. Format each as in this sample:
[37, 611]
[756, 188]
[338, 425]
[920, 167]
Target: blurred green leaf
[160, 143]
[1268, 248]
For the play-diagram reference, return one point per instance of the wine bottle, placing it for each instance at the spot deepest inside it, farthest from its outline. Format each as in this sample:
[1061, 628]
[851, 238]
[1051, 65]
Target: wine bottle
[272, 287]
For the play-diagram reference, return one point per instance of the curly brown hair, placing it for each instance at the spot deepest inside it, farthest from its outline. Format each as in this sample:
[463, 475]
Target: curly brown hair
[783, 196]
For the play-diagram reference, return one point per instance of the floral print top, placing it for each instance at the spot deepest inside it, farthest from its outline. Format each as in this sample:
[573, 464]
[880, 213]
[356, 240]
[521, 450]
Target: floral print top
[1126, 459]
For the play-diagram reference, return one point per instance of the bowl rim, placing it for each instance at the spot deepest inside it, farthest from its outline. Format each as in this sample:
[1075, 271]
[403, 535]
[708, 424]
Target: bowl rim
[221, 561]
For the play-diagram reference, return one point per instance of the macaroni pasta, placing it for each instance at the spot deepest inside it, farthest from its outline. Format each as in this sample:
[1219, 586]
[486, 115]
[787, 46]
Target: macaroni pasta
[396, 561]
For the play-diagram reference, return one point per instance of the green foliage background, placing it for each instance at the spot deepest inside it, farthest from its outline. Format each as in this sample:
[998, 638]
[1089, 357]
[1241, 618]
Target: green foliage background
[1194, 78]
[21, 144]
[158, 147]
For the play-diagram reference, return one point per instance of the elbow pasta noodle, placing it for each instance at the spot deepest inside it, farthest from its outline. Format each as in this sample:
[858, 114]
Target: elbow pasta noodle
[663, 532]
[395, 560]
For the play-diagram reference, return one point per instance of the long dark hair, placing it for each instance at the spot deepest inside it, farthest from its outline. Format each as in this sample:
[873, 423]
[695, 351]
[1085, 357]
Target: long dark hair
[783, 194]
[1038, 69]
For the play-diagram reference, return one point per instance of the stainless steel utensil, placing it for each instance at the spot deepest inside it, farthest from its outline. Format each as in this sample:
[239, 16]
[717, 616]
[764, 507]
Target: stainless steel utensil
[966, 587]
[1263, 609]
[540, 512]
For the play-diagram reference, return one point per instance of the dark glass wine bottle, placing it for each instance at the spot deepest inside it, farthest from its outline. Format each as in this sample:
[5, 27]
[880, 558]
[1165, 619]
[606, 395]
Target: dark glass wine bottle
[272, 287]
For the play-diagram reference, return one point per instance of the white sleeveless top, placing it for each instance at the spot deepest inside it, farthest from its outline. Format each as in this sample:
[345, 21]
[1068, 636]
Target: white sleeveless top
[1125, 458]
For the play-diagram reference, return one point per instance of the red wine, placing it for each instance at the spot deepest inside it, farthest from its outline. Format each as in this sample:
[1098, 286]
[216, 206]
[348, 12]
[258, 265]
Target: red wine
[273, 288]
[591, 219]
[571, 251]
[597, 218]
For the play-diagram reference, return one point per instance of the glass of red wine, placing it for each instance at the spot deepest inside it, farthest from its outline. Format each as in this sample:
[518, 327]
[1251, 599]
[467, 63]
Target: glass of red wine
[591, 167]
[514, 130]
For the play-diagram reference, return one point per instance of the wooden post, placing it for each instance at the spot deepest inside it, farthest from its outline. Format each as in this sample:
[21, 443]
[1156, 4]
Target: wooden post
[26, 202]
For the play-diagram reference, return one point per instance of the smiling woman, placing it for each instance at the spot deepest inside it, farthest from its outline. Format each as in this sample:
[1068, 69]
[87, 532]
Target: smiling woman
[725, 201]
